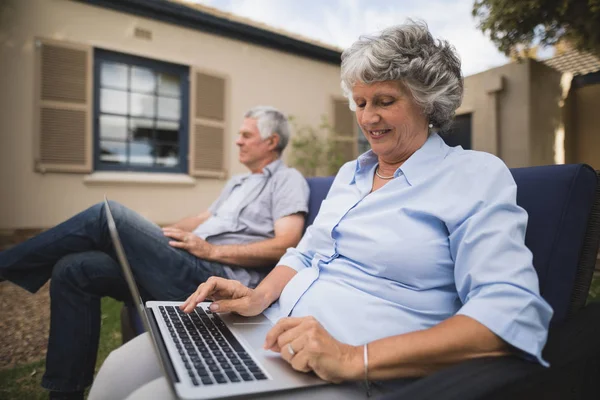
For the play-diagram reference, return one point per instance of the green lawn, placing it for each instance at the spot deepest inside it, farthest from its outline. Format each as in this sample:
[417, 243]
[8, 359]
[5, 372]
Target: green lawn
[23, 382]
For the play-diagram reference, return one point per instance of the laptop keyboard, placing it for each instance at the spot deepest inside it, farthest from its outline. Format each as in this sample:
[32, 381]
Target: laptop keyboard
[210, 352]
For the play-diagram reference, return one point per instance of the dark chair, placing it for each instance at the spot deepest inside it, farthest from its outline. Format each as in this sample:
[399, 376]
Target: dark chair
[563, 232]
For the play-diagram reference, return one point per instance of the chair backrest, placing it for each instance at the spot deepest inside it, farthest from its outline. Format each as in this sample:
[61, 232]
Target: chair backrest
[563, 230]
[319, 187]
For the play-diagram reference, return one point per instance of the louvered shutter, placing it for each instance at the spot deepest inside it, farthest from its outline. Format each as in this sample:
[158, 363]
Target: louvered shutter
[208, 103]
[63, 109]
[345, 133]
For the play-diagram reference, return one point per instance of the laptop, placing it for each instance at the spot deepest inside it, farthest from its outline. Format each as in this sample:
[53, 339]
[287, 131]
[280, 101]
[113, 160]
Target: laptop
[206, 355]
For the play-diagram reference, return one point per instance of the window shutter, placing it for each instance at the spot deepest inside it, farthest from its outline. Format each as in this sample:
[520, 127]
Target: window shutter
[208, 104]
[63, 109]
[345, 144]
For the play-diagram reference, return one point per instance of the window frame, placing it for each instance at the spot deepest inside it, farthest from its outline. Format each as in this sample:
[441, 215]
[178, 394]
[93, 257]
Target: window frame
[182, 71]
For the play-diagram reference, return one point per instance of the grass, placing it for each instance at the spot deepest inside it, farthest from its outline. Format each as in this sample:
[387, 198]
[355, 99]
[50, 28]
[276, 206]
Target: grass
[23, 382]
[594, 294]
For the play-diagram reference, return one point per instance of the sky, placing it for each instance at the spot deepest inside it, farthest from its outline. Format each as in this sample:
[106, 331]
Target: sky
[340, 22]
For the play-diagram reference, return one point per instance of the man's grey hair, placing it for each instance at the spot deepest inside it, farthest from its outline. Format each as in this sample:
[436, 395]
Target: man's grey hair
[269, 121]
[408, 53]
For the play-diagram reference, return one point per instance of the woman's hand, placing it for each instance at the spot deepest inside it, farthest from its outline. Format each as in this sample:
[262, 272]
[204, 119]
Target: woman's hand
[229, 296]
[307, 346]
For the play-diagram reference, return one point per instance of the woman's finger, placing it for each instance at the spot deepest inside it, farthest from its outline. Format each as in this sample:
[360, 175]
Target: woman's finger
[280, 327]
[300, 361]
[290, 350]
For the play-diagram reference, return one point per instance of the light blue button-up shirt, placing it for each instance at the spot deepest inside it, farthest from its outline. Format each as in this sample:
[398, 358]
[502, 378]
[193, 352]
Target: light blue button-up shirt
[444, 237]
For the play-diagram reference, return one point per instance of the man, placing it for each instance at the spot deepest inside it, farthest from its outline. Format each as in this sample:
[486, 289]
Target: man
[241, 236]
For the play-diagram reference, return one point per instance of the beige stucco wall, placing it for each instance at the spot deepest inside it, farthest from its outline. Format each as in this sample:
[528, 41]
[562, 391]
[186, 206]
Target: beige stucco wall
[505, 135]
[587, 125]
[515, 111]
[258, 75]
[545, 116]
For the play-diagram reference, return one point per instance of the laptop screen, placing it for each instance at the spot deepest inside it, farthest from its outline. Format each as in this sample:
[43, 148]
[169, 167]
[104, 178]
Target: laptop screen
[135, 293]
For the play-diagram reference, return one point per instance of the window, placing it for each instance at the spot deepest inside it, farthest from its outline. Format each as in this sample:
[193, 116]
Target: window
[459, 133]
[140, 114]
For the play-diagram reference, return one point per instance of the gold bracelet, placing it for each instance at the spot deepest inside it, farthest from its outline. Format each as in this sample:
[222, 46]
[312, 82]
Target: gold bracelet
[366, 362]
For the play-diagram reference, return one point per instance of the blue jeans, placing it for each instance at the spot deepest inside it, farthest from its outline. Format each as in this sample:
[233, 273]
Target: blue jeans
[79, 257]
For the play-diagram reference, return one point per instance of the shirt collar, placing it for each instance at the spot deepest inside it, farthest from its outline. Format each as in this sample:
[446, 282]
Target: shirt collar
[268, 171]
[418, 164]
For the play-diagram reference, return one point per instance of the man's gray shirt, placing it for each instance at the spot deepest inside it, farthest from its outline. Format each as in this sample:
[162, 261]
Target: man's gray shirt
[247, 209]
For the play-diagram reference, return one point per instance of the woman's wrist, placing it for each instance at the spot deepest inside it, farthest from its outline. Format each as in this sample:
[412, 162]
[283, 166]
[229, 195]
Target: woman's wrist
[265, 296]
[355, 364]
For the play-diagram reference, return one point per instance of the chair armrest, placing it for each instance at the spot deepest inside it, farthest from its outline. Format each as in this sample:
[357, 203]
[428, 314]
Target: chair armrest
[573, 350]
[473, 379]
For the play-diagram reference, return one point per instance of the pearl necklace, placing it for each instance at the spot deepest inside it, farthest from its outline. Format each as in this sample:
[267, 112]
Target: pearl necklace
[381, 176]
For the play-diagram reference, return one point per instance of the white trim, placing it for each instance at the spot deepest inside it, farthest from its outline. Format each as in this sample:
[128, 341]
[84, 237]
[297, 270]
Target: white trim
[138, 178]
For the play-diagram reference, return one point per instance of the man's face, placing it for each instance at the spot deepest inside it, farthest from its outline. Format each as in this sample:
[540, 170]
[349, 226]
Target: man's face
[254, 150]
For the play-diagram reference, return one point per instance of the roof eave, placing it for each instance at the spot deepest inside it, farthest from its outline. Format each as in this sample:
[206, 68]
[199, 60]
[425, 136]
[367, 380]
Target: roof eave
[181, 15]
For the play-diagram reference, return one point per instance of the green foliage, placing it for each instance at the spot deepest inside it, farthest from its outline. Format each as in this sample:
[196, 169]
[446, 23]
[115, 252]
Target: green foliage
[522, 23]
[23, 382]
[594, 294]
[315, 152]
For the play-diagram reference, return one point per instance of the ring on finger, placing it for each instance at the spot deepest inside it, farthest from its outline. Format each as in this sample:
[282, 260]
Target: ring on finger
[291, 350]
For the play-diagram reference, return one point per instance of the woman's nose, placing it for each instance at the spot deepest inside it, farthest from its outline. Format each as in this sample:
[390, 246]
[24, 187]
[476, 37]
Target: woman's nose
[369, 116]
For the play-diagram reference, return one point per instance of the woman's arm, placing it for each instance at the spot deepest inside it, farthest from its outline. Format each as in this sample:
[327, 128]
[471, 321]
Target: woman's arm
[421, 353]
[232, 296]
[412, 354]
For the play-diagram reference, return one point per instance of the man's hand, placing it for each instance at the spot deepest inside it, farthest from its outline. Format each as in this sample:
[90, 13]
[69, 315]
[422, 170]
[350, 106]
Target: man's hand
[189, 242]
[229, 296]
[307, 346]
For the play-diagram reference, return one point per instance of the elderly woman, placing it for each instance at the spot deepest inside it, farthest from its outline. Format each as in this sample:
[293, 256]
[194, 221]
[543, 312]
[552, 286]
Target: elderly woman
[417, 259]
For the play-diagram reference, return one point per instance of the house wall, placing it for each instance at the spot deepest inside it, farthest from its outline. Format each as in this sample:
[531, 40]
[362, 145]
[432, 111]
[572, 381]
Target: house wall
[545, 118]
[515, 112]
[499, 102]
[586, 116]
[257, 76]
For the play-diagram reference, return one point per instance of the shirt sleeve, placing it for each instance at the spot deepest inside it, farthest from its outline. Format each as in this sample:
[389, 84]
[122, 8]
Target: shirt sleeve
[494, 273]
[301, 256]
[290, 194]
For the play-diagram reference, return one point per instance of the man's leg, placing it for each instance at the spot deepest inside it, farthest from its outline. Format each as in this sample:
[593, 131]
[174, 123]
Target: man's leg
[165, 272]
[77, 285]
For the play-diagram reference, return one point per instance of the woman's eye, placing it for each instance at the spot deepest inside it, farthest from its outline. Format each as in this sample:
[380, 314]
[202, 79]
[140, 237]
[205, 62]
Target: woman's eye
[387, 103]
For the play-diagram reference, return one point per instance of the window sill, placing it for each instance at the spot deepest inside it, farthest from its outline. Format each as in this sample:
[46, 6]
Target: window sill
[138, 178]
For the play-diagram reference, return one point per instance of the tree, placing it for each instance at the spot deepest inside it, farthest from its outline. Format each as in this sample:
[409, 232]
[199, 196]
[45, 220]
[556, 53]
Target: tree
[516, 24]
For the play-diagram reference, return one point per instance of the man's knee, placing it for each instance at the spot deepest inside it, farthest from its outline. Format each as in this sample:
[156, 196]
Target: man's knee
[78, 267]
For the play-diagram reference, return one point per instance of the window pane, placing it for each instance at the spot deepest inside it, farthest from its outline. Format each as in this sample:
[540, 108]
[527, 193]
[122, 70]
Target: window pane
[142, 80]
[113, 75]
[113, 101]
[141, 153]
[113, 152]
[168, 108]
[169, 85]
[141, 128]
[167, 155]
[112, 127]
[141, 105]
[167, 131]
